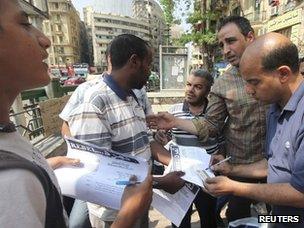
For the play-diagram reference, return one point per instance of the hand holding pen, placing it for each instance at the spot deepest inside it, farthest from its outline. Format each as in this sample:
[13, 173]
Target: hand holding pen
[222, 166]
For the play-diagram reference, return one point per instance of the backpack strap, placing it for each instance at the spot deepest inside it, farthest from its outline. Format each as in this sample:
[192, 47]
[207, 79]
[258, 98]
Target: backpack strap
[54, 217]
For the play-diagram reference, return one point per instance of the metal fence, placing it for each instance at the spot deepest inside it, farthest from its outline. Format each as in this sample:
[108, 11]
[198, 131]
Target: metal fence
[33, 126]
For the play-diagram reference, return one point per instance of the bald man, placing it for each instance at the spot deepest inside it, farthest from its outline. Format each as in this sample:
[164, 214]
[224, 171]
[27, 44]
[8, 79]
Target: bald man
[270, 66]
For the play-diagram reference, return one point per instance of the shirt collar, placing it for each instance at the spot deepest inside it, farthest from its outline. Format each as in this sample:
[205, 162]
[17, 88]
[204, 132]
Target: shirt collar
[292, 103]
[295, 98]
[122, 94]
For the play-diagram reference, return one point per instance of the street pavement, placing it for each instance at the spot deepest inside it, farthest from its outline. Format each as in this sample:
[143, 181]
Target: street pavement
[157, 220]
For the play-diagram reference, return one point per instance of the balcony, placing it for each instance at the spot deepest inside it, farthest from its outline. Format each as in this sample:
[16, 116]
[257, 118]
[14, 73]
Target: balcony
[256, 17]
[35, 7]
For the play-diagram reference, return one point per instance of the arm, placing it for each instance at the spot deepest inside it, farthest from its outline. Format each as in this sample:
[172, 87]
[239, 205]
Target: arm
[56, 162]
[162, 137]
[216, 113]
[135, 201]
[65, 129]
[166, 121]
[159, 153]
[254, 170]
[276, 194]
[171, 182]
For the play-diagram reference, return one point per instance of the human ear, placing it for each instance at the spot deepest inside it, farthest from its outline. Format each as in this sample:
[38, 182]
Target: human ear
[284, 73]
[134, 60]
[250, 36]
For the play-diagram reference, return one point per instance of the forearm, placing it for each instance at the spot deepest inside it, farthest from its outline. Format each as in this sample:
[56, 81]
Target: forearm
[275, 194]
[185, 125]
[255, 170]
[124, 219]
[159, 153]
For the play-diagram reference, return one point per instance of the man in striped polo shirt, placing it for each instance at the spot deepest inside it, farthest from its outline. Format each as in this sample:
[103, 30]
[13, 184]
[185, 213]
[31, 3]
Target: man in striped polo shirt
[197, 89]
[111, 116]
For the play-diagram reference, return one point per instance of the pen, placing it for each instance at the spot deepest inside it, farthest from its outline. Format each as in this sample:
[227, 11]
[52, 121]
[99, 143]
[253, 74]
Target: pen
[127, 183]
[122, 182]
[220, 162]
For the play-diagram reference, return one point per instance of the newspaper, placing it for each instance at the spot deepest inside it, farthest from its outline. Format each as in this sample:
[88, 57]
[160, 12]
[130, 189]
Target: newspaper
[95, 180]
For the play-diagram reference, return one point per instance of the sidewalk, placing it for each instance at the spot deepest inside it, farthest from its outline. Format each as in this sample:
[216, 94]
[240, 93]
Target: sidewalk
[157, 220]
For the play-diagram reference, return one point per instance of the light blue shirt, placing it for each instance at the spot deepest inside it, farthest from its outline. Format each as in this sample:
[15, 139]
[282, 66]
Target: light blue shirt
[285, 147]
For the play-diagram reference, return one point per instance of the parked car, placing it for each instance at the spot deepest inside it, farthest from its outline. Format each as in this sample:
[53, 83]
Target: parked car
[75, 80]
[62, 79]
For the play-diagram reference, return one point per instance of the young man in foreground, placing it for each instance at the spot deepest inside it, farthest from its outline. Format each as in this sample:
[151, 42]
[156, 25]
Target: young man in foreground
[23, 198]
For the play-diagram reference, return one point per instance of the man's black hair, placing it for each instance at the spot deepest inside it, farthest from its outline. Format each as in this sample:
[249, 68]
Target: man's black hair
[203, 74]
[286, 55]
[241, 22]
[124, 46]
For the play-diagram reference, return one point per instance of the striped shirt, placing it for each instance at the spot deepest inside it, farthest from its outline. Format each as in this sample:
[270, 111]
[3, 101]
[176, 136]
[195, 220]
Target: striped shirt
[78, 97]
[240, 117]
[184, 138]
[108, 117]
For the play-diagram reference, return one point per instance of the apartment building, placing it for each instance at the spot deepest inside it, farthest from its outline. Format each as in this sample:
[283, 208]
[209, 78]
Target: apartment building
[104, 27]
[63, 29]
[150, 11]
[37, 11]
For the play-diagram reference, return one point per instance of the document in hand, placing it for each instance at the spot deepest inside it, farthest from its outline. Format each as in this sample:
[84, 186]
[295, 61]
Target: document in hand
[193, 161]
[174, 206]
[95, 180]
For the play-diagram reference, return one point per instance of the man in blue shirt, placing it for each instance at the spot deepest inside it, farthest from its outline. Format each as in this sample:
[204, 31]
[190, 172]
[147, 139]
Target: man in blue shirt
[270, 66]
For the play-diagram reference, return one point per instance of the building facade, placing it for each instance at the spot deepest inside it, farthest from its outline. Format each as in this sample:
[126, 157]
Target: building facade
[151, 12]
[63, 29]
[37, 11]
[118, 7]
[104, 27]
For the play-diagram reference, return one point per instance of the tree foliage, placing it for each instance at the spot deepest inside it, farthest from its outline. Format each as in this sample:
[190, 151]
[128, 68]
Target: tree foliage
[202, 31]
[168, 8]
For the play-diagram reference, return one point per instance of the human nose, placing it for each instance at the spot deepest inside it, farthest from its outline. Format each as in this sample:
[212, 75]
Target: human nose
[43, 40]
[189, 88]
[249, 90]
[226, 49]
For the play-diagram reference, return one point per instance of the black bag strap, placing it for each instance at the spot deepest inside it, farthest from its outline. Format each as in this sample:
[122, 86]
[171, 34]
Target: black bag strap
[54, 217]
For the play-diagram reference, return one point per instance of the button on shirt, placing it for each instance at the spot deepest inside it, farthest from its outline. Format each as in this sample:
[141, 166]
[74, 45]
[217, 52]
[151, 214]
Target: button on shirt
[285, 147]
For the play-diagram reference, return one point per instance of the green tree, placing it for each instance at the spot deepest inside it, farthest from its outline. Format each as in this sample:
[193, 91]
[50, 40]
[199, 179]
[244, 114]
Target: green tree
[203, 27]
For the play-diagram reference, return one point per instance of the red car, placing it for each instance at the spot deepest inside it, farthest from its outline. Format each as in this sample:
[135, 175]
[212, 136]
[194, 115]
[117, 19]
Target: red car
[76, 80]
